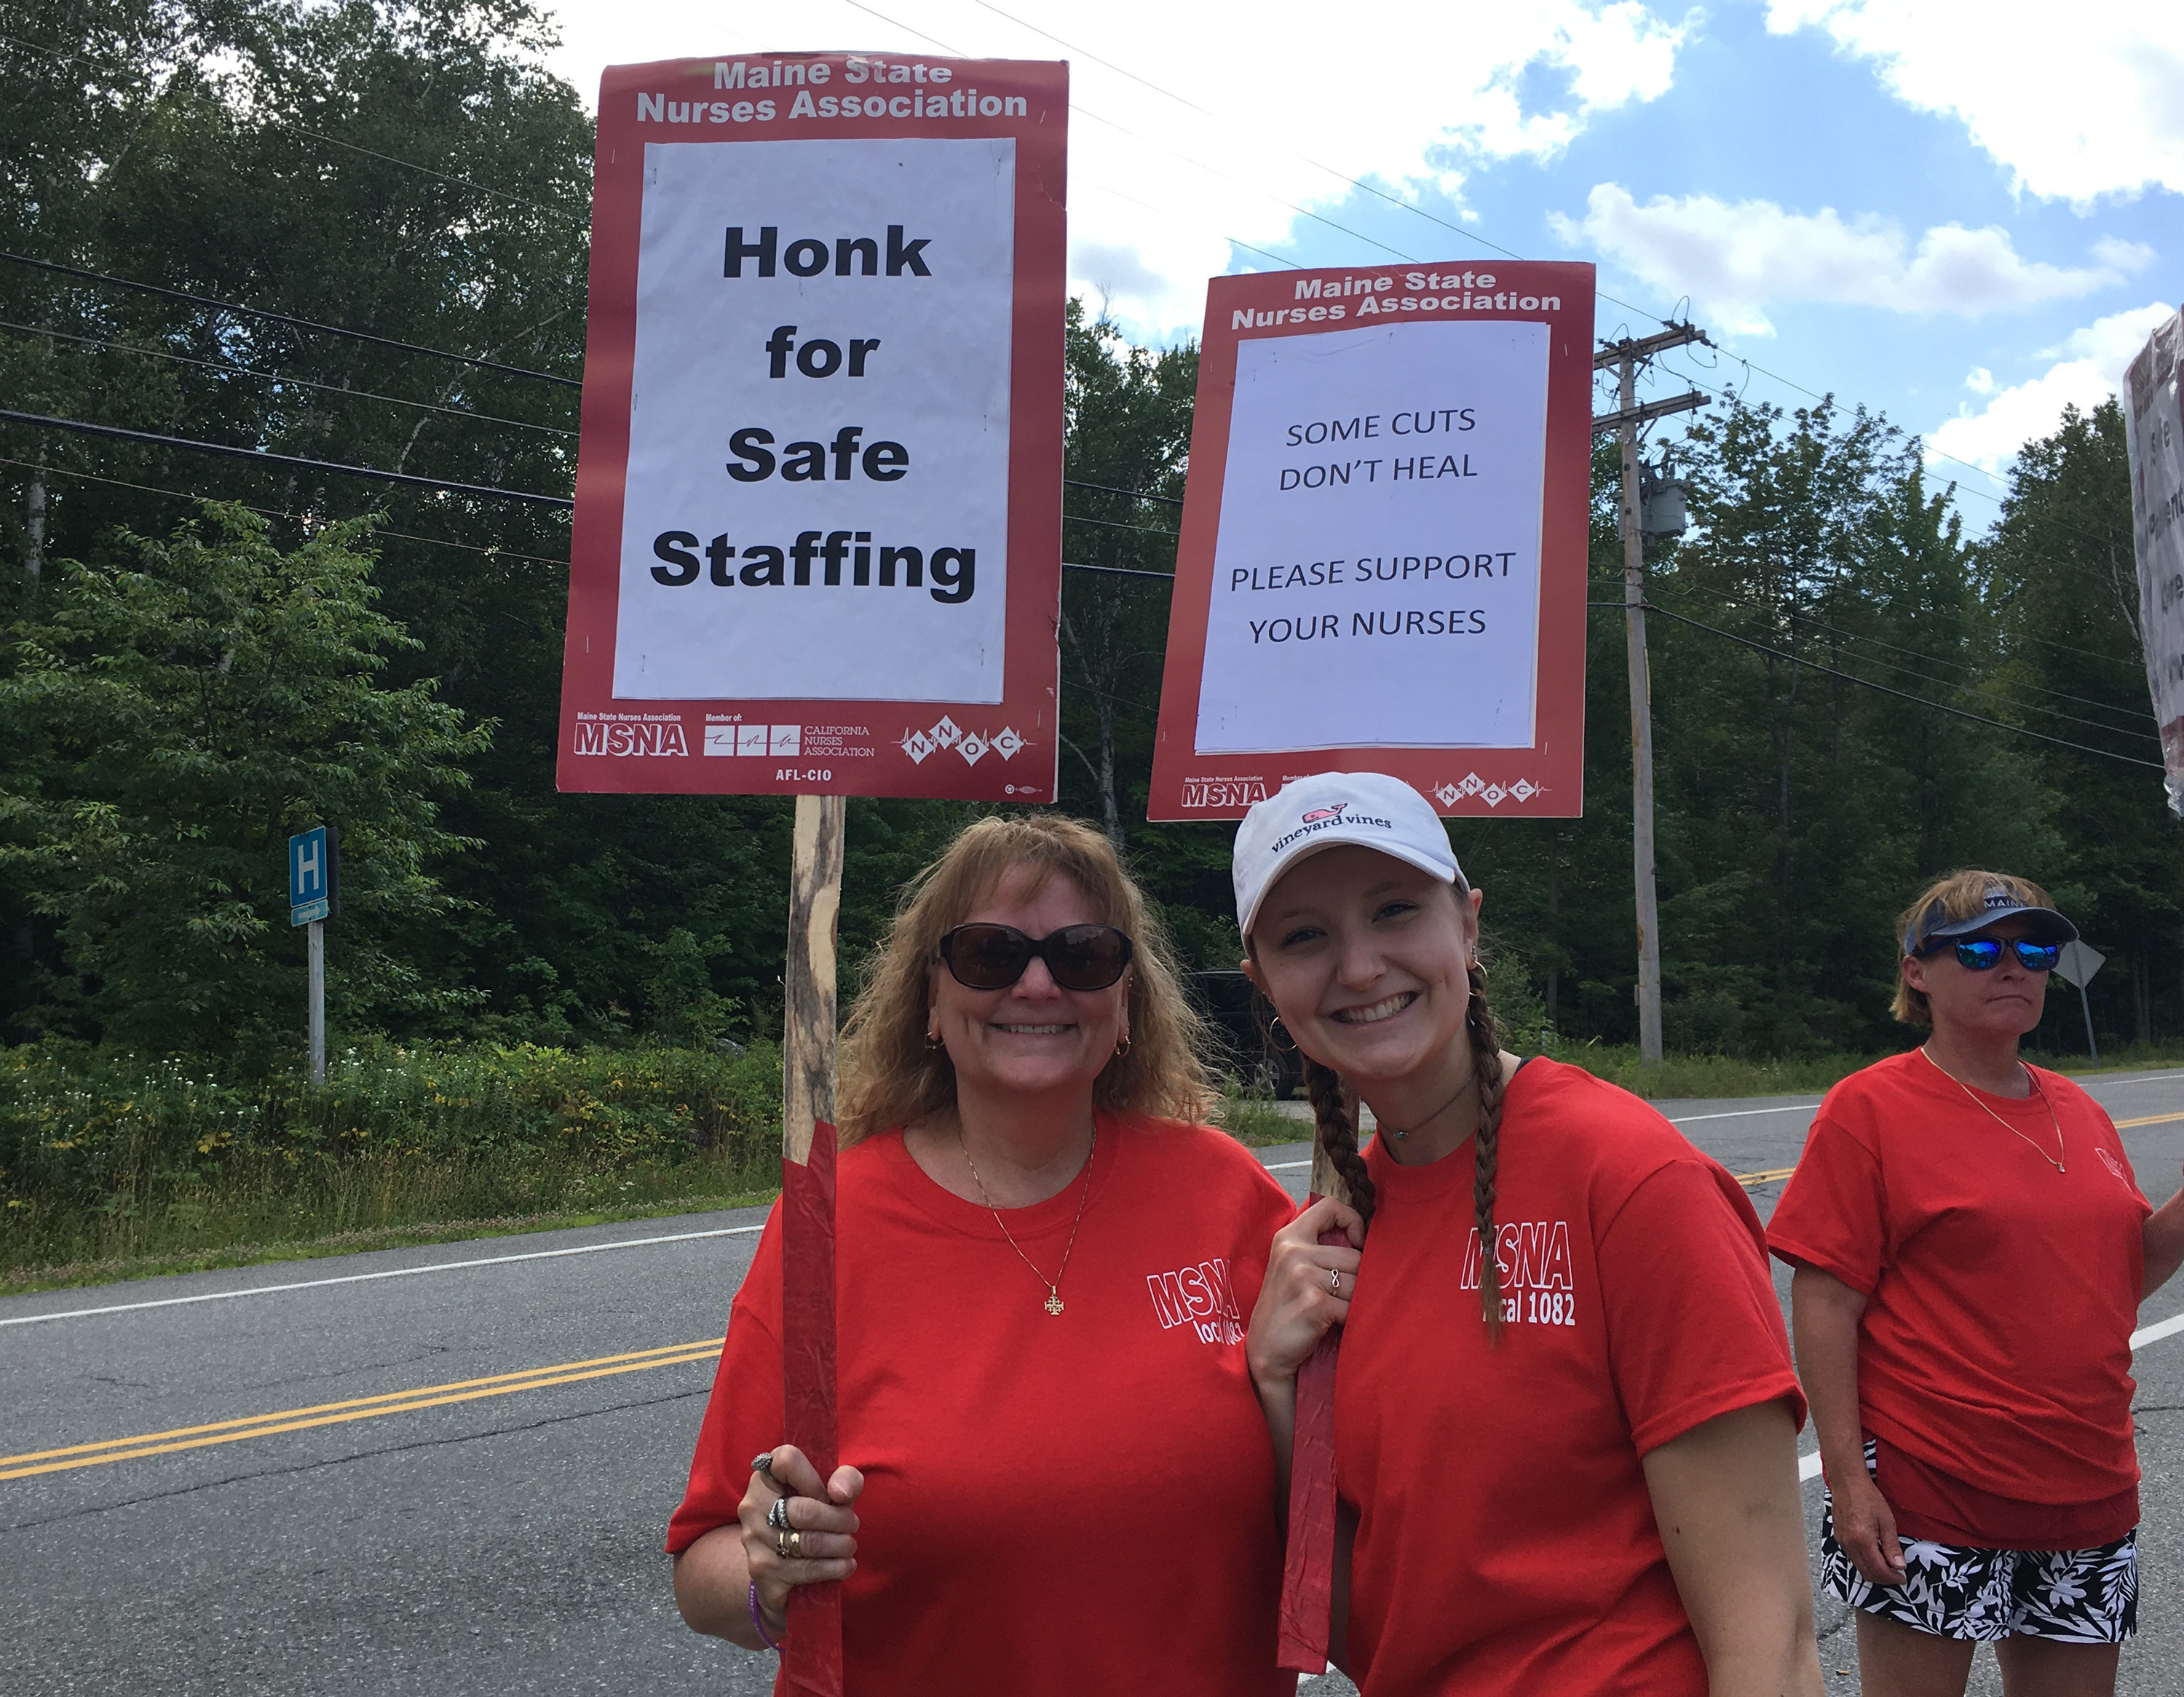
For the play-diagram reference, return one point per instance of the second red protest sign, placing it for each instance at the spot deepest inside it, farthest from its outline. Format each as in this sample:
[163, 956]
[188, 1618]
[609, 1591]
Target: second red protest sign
[1383, 553]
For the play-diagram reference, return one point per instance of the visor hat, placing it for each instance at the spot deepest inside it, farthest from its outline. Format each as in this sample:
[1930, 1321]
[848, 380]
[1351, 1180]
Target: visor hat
[1935, 926]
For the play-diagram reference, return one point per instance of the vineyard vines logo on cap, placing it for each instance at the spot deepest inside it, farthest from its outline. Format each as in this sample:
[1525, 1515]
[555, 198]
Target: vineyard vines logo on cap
[1326, 819]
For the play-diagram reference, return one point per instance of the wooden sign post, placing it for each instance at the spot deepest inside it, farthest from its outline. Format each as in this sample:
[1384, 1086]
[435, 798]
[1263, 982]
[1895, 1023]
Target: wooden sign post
[813, 1658]
[1306, 1619]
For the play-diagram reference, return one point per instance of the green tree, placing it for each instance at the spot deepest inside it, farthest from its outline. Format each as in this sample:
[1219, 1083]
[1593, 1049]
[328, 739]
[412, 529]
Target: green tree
[2060, 577]
[187, 712]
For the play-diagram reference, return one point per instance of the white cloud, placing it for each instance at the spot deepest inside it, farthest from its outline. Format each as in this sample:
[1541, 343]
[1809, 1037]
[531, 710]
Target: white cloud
[1735, 260]
[2092, 363]
[1425, 94]
[2076, 101]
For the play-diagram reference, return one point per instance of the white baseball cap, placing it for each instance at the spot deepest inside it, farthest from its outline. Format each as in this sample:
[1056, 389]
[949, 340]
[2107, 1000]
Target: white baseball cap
[1327, 810]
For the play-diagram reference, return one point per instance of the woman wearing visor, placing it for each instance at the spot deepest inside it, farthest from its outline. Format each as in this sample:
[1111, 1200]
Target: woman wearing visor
[1565, 1424]
[1056, 1478]
[1971, 1249]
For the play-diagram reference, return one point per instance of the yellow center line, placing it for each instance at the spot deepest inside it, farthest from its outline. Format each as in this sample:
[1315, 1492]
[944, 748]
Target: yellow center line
[2149, 1119]
[359, 1408]
[1751, 1179]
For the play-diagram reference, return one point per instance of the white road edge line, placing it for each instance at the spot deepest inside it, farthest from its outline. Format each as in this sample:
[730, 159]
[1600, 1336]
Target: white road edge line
[1747, 1113]
[393, 1272]
[1808, 1466]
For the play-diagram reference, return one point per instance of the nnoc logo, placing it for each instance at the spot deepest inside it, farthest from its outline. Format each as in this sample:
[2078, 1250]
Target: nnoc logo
[655, 738]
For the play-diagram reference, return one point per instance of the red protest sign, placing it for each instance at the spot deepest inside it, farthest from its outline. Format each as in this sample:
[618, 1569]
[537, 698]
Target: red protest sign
[1383, 554]
[817, 530]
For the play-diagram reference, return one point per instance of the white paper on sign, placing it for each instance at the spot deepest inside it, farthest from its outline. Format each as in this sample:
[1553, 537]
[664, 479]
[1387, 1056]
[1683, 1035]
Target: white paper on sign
[861, 553]
[1376, 576]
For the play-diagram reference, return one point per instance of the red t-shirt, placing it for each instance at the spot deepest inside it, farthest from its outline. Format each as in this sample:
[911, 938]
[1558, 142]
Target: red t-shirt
[1080, 1503]
[2000, 1293]
[1506, 1541]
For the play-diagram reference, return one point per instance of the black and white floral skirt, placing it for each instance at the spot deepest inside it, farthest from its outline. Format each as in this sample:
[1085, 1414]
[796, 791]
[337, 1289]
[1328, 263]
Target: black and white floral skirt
[1954, 1590]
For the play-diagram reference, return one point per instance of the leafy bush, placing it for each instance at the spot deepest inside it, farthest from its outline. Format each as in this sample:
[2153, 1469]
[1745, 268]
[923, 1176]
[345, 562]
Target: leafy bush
[105, 1153]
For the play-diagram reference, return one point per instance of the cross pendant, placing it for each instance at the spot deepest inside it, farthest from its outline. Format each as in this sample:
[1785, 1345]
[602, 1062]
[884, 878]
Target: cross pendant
[1054, 1302]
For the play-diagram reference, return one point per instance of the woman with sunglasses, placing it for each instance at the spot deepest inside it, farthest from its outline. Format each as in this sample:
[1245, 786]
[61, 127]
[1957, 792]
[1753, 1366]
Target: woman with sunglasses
[1565, 1424]
[1055, 1476]
[1971, 1250]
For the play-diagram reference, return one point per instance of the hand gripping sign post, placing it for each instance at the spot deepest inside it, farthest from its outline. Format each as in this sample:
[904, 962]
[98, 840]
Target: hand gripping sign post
[2153, 436]
[1383, 554]
[818, 523]
[1382, 566]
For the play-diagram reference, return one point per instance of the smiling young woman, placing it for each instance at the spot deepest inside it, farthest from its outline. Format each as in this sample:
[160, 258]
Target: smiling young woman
[1971, 1249]
[1057, 1477]
[1565, 1420]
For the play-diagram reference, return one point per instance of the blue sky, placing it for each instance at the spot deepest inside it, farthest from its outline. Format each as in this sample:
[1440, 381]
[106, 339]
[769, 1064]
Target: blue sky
[1962, 226]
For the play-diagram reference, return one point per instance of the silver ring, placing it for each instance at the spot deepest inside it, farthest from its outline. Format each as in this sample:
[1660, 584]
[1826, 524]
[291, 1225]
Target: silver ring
[764, 1464]
[1334, 1281]
[777, 1516]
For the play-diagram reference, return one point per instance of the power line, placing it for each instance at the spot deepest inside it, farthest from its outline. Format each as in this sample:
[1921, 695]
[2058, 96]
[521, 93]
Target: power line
[443, 541]
[1975, 679]
[1134, 494]
[277, 377]
[1360, 185]
[271, 512]
[465, 182]
[1166, 577]
[288, 318]
[1885, 689]
[1116, 524]
[407, 478]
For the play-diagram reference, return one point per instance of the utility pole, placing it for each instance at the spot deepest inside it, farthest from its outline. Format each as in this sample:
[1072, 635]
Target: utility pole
[1627, 356]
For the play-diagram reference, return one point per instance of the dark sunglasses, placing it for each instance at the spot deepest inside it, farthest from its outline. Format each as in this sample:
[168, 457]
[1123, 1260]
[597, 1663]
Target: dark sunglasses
[1984, 954]
[1078, 957]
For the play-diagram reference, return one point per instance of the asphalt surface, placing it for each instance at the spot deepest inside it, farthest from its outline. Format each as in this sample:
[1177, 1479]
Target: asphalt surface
[413, 1526]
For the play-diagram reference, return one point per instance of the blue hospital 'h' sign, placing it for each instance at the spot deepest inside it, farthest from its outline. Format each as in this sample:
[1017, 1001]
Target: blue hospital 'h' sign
[311, 874]
[307, 867]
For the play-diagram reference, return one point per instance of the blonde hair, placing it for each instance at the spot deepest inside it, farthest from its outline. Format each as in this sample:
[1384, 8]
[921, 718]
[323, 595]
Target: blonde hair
[890, 1076]
[1960, 896]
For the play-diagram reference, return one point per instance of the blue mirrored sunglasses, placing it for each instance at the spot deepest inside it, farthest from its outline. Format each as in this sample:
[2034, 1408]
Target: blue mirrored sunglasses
[1984, 954]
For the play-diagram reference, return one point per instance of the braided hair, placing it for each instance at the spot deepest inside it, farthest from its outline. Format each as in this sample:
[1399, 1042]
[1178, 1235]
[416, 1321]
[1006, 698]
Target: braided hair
[1486, 1142]
[1334, 1113]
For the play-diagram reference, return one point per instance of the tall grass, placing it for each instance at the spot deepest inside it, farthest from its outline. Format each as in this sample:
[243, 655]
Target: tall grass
[107, 1160]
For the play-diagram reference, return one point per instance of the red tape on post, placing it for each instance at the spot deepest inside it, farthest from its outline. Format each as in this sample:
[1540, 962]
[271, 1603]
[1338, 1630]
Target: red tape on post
[812, 1658]
[1308, 1574]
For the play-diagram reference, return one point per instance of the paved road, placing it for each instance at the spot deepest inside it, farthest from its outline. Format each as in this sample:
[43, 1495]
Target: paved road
[456, 1461]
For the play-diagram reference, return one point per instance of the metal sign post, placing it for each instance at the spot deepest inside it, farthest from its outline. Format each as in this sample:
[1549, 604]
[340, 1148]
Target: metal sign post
[2076, 965]
[314, 896]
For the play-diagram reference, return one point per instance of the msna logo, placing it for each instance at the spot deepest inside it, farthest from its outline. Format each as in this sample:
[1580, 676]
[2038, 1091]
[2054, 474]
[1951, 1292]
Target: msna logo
[1320, 815]
[655, 738]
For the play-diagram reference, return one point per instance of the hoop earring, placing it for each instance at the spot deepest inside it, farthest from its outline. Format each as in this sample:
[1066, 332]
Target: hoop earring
[1122, 1046]
[1279, 1035]
[933, 1045]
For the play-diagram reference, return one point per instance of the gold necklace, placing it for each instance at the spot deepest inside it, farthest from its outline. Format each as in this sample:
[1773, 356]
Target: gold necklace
[2054, 1161]
[1053, 1304]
